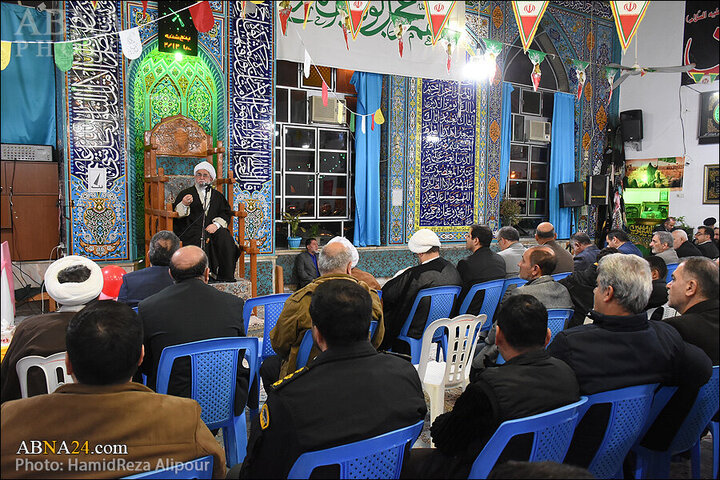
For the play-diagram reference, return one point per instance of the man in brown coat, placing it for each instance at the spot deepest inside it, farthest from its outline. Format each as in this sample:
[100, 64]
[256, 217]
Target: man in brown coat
[545, 235]
[335, 262]
[103, 426]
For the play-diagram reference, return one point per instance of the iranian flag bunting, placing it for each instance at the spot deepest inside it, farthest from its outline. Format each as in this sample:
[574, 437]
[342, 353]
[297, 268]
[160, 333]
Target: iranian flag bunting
[627, 15]
[527, 16]
[438, 14]
[357, 11]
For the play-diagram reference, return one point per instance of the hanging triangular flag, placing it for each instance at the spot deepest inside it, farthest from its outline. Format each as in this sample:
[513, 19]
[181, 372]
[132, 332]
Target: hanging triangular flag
[284, 10]
[131, 43]
[628, 16]
[362, 123]
[5, 52]
[243, 8]
[352, 122]
[64, 55]
[94, 4]
[400, 24]
[580, 67]
[340, 112]
[492, 50]
[379, 118]
[372, 122]
[527, 16]
[357, 11]
[610, 76]
[306, 5]
[202, 16]
[144, 2]
[324, 93]
[536, 58]
[437, 14]
[306, 64]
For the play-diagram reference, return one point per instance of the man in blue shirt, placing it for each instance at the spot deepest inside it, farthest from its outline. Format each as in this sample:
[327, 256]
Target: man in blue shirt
[584, 250]
[620, 240]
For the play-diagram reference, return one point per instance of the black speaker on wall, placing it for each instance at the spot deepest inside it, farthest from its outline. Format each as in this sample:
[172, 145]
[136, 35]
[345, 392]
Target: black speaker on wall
[598, 189]
[571, 194]
[632, 125]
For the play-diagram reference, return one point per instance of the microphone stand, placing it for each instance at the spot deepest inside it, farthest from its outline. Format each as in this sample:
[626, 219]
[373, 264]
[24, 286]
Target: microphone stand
[202, 234]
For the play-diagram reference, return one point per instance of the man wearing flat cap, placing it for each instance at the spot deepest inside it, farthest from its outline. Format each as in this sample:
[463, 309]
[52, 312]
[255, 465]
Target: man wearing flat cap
[71, 281]
[189, 204]
[399, 293]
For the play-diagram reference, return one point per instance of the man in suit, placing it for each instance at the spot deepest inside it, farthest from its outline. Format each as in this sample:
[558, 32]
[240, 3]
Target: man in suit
[139, 285]
[667, 226]
[188, 311]
[349, 392]
[545, 235]
[620, 240]
[71, 281]
[146, 431]
[482, 266]
[683, 247]
[703, 241]
[305, 269]
[200, 202]
[662, 246]
[585, 251]
[511, 250]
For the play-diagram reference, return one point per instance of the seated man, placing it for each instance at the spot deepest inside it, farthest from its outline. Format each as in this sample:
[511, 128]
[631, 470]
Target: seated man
[682, 246]
[693, 293]
[585, 251]
[139, 285]
[511, 250]
[399, 292]
[305, 268]
[356, 272]
[703, 241]
[147, 431]
[294, 320]
[482, 265]
[205, 214]
[530, 382]
[188, 311]
[545, 235]
[620, 240]
[71, 281]
[659, 293]
[622, 348]
[350, 392]
[667, 226]
[662, 246]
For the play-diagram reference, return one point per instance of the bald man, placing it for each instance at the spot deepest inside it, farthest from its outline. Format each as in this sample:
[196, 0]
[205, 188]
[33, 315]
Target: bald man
[545, 235]
[683, 247]
[188, 311]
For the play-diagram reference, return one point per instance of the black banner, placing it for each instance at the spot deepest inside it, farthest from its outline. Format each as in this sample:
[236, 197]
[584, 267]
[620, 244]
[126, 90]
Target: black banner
[700, 42]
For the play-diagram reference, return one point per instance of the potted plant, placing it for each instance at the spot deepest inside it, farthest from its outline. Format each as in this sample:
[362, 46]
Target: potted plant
[509, 212]
[680, 223]
[293, 220]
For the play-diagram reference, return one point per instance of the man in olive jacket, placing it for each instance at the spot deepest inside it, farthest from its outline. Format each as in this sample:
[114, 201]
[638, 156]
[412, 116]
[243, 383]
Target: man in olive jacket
[334, 263]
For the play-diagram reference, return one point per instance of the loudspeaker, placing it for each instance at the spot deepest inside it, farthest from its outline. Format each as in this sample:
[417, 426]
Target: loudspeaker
[571, 194]
[632, 125]
[598, 189]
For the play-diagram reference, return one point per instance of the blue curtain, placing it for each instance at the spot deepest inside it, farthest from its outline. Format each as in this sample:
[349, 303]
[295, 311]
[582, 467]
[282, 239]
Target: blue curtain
[505, 135]
[562, 159]
[28, 82]
[367, 160]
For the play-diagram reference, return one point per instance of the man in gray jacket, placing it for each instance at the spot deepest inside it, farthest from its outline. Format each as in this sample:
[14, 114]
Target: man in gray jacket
[511, 250]
[662, 246]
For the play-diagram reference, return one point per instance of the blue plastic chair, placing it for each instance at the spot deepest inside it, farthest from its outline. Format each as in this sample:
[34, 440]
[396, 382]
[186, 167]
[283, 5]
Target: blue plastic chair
[629, 410]
[306, 345]
[377, 457]
[560, 276]
[442, 300]
[493, 290]
[553, 432]
[273, 306]
[715, 432]
[671, 268]
[557, 317]
[655, 464]
[511, 281]
[200, 468]
[379, 293]
[214, 374]
[135, 309]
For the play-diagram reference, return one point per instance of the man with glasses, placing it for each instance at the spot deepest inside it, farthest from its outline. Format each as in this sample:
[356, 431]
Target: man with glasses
[204, 218]
[703, 241]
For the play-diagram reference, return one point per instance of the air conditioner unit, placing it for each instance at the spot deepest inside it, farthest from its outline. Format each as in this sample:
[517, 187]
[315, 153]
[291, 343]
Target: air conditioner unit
[539, 131]
[320, 113]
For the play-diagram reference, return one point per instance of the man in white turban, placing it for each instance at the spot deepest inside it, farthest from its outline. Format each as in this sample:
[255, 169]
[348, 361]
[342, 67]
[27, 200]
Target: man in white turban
[71, 281]
[204, 217]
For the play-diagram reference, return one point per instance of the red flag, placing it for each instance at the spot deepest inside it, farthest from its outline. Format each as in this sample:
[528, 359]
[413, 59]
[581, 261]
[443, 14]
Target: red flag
[202, 16]
[144, 7]
[372, 123]
[324, 93]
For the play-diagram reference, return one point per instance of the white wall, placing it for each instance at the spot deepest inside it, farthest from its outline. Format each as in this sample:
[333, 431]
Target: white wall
[659, 95]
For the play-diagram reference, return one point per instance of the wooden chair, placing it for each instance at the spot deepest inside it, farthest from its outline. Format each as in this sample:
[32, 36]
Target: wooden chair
[179, 136]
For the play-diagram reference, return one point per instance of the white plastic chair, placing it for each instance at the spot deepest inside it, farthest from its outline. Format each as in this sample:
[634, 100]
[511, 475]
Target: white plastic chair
[436, 376]
[50, 365]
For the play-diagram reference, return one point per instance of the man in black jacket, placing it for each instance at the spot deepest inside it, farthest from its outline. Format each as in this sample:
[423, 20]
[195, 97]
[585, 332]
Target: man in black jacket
[305, 268]
[482, 266]
[530, 382]
[188, 311]
[704, 242]
[349, 392]
[398, 294]
[682, 246]
[189, 205]
[659, 293]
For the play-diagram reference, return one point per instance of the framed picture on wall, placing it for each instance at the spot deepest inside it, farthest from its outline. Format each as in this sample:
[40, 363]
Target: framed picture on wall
[711, 184]
[708, 128]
